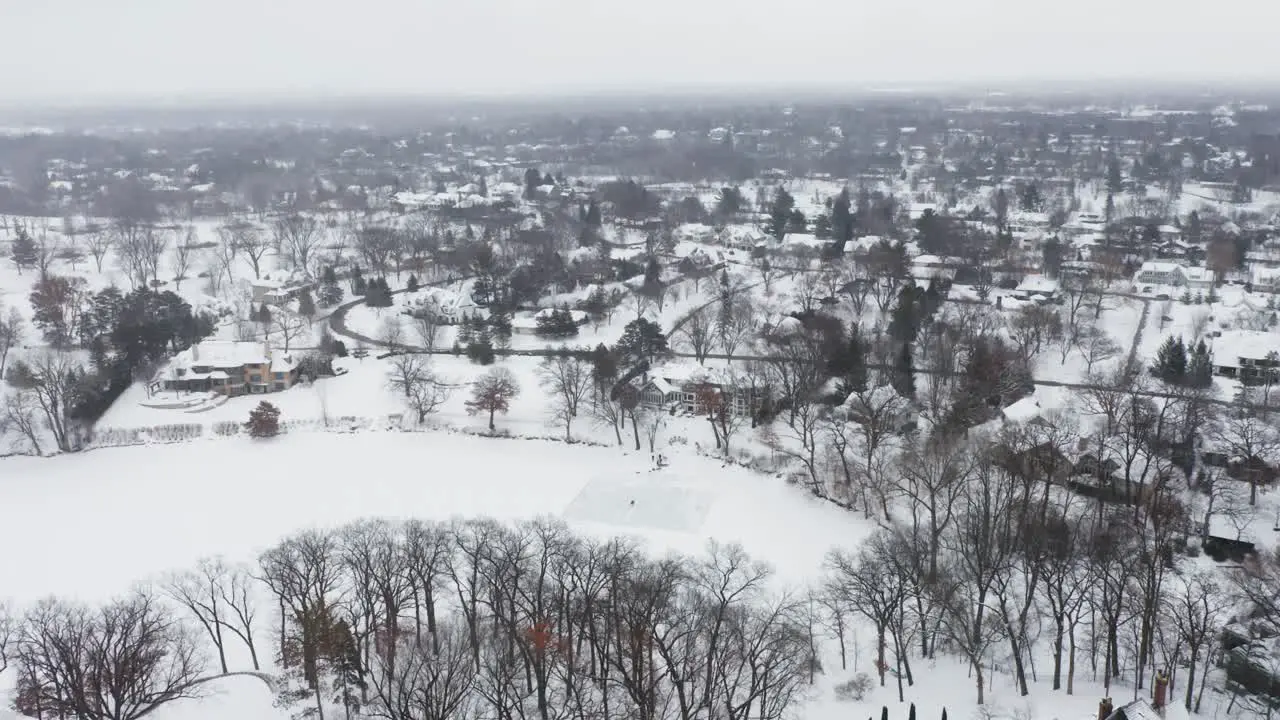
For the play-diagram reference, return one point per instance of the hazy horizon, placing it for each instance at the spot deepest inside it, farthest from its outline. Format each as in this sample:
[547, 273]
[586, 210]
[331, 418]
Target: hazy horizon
[85, 52]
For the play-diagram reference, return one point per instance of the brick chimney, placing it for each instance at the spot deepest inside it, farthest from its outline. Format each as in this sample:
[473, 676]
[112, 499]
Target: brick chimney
[1159, 695]
[1105, 709]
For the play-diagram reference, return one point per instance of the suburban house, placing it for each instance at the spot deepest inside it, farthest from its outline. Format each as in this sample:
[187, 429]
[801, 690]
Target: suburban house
[1161, 272]
[447, 306]
[679, 388]
[278, 288]
[230, 367]
[1247, 355]
[1264, 279]
[932, 267]
[1036, 286]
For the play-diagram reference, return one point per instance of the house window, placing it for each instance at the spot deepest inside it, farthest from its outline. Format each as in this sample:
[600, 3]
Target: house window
[255, 378]
[279, 376]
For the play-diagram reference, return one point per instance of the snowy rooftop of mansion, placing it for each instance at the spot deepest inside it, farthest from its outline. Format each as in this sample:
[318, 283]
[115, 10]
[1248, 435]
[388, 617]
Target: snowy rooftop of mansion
[280, 279]
[227, 355]
[1233, 345]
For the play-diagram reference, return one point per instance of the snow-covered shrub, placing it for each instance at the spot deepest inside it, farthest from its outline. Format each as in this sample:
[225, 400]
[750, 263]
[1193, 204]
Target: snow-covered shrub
[226, 428]
[856, 688]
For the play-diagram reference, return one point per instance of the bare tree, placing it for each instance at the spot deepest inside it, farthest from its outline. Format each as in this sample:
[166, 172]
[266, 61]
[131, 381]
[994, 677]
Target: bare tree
[304, 574]
[567, 378]
[1199, 609]
[427, 323]
[808, 291]
[698, 332]
[1095, 346]
[52, 379]
[289, 325]
[21, 412]
[736, 326]
[492, 393]
[1032, 328]
[429, 682]
[223, 255]
[412, 375]
[1253, 441]
[199, 592]
[296, 237]
[7, 633]
[140, 250]
[180, 260]
[122, 661]
[12, 329]
[391, 333]
[100, 241]
[246, 241]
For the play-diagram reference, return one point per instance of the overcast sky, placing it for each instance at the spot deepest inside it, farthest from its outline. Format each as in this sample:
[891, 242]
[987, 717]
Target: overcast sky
[97, 50]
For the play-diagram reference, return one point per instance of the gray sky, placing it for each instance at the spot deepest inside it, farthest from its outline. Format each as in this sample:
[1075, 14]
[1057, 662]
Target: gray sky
[97, 50]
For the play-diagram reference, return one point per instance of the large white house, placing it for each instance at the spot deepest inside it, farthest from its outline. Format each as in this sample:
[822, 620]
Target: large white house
[1249, 355]
[1163, 272]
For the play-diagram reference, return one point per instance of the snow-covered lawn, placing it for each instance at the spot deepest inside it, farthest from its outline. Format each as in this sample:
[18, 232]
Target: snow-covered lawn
[97, 523]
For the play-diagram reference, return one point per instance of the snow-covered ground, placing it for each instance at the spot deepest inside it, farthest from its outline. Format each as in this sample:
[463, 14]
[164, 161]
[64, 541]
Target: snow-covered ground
[104, 520]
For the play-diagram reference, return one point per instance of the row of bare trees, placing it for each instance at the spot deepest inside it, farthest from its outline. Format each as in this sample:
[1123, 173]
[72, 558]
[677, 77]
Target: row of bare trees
[478, 619]
[986, 555]
[412, 620]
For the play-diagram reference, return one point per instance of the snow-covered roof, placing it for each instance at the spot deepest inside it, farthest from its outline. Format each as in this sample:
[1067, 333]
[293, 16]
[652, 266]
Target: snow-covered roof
[276, 279]
[223, 353]
[1159, 266]
[1199, 274]
[807, 239]
[1233, 345]
[1024, 410]
[661, 385]
[1037, 284]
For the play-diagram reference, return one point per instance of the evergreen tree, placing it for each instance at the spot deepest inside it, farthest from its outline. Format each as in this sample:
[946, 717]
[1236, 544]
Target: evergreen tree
[642, 341]
[904, 373]
[1194, 227]
[264, 421]
[822, 227]
[306, 305]
[359, 286]
[1200, 367]
[842, 217]
[330, 295]
[1171, 361]
[24, 252]
[466, 329]
[532, 179]
[500, 327]
[592, 218]
[1115, 180]
[484, 187]
[480, 350]
[264, 315]
[412, 284]
[904, 322]
[780, 213]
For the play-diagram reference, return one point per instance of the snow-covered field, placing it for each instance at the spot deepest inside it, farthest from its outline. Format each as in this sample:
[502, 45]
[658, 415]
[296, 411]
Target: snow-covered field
[97, 523]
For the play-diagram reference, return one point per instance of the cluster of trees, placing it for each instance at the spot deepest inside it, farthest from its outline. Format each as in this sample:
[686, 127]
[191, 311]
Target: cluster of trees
[559, 323]
[414, 619]
[983, 554]
[1176, 365]
[126, 336]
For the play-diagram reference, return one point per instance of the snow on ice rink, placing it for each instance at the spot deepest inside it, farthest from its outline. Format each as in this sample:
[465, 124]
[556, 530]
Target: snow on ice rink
[648, 501]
